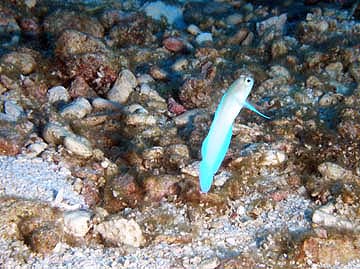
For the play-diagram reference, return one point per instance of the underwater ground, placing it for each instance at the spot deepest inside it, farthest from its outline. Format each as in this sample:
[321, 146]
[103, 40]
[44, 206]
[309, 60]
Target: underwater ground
[104, 106]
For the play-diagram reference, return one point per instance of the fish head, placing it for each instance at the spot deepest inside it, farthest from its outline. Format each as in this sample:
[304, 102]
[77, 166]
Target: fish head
[241, 87]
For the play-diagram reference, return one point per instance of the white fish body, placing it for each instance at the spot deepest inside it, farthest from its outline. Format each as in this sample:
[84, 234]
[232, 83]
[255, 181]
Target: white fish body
[217, 141]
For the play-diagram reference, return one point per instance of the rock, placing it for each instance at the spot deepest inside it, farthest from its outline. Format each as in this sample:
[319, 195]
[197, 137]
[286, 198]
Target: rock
[278, 48]
[355, 71]
[158, 187]
[78, 145]
[203, 38]
[339, 250]
[79, 88]
[180, 65]
[221, 178]
[234, 19]
[192, 169]
[276, 22]
[141, 119]
[122, 191]
[10, 145]
[144, 79]
[175, 107]
[54, 133]
[325, 217]
[173, 44]
[30, 26]
[193, 29]
[57, 94]
[334, 69]
[273, 158]
[9, 27]
[184, 118]
[176, 156]
[24, 62]
[77, 109]
[72, 42]
[104, 104]
[62, 20]
[159, 9]
[195, 92]
[210, 263]
[158, 73]
[123, 87]
[277, 71]
[137, 30]
[120, 231]
[153, 157]
[36, 148]
[77, 223]
[145, 89]
[239, 36]
[13, 111]
[333, 171]
[88, 57]
[330, 99]
[44, 239]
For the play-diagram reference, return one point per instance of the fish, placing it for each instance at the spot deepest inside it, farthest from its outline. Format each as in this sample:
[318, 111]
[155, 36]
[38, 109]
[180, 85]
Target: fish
[217, 141]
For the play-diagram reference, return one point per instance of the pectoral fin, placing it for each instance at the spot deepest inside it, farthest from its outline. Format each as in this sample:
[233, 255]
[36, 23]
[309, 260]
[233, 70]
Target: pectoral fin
[249, 106]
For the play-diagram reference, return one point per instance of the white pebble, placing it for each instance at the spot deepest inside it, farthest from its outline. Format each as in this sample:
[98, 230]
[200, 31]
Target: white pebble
[77, 223]
[78, 145]
[204, 37]
[58, 93]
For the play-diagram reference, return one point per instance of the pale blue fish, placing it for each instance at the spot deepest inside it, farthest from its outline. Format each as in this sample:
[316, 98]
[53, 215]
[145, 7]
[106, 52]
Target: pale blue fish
[217, 141]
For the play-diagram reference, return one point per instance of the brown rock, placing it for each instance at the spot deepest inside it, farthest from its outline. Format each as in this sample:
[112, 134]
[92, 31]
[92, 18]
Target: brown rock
[136, 31]
[173, 44]
[79, 87]
[24, 62]
[120, 192]
[62, 20]
[87, 57]
[331, 251]
[157, 187]
[195, 92]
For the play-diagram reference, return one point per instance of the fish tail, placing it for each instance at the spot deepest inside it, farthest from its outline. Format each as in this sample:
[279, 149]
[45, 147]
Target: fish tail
[206, 176]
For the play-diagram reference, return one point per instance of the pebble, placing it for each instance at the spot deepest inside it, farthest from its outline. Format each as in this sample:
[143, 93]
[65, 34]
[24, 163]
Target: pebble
[123, 87]
[234, 19]
[54, 133]
[103, 104]
[193, 29]
[13, 110]
[276, 22]
[180, 64]
[221, 178]
[58, 93]
[273, 157]
[324, 216]
[185, 117]
[203, 38]
[77, 223]
[210, 263]
[173, 44]
[329, 99]
[145, 78]
[22, 61]
[191, 169]
[121, 231]
[36, 148]
[78, 145]
[333, 171]
[77, 109]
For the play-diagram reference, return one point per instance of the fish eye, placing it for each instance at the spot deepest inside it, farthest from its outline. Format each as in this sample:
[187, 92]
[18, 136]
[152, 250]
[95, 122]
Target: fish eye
[248, 80]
